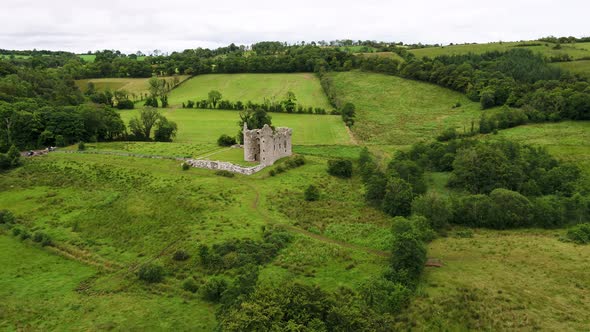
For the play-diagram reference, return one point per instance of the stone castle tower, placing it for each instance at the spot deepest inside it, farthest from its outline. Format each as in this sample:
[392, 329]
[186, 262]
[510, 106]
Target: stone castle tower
[265, 145]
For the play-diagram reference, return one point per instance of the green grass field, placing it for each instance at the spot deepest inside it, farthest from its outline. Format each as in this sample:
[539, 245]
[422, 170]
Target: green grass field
[253, 87]
[567, 140]
[581, 67]
[131, 85]
[399, 112]
[577, 51]
[92, 57]
[505, 280]
[205, 126]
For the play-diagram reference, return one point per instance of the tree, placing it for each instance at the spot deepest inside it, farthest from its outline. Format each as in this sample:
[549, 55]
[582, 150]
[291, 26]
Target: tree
[143, 125]
[289, 102]
[348, 113]
[214, 97]
[165, 130]
[254, 120]
[435, 208]
[511, 209]
[408, 256]
[397, 200]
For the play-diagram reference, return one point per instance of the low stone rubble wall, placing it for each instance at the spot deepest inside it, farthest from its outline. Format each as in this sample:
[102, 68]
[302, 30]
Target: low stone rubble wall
[223, 166]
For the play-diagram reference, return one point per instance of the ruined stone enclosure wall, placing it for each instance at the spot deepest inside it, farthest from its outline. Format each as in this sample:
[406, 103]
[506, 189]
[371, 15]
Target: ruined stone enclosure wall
[224, 166]
[267, 146]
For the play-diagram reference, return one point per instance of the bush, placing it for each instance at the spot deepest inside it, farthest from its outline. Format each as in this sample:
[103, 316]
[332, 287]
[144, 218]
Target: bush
[151, 273]
[24, 235]
[511, 209]
[59, 141]
[125, 105]
[213, 289]
[180, 255]
[435, 208]
[312, 193]
[272, 172]
[190, 285]
[81, 146]
[384, 295]
[185, 166]
[42, 238]
[295, 162]
[579, 234]
[225, 173]
[6, 217]
[447, 135]
[340, 168]
[226, 140]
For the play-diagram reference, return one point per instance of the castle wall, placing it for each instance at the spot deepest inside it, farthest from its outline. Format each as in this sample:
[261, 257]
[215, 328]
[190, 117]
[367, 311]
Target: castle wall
[267, 145]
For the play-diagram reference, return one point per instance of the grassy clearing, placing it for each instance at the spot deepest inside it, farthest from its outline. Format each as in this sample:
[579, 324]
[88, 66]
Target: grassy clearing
[567, 140]
[396, 111]
[505, 280]
[581, 67]
[253, 87]
[43, 291]
[205, 126]
[92, 57]
[574, 50]
[132, 85]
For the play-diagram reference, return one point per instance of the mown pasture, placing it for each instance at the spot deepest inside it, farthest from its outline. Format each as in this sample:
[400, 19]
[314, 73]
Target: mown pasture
[205, 126]
[253, 87]
[135, 86]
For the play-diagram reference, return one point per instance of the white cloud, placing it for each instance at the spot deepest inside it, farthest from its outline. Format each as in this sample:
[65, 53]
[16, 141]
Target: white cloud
[133, 25]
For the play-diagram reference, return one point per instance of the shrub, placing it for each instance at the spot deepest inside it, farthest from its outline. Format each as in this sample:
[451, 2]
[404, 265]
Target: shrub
[225, 173]
[185, 166]
[312, 193]
[151, 273]
[295, 162]
[190, 285]
[59, 141]
[24, 235]
[272, 172]
[435, 208]
[226, 140]
[213, 289]
[125, 105]
[180, 255]
[385, 295]
[6, 217]
[81, 146]
[579, 234]
[42, 238]
[447, 135]
[340, 168]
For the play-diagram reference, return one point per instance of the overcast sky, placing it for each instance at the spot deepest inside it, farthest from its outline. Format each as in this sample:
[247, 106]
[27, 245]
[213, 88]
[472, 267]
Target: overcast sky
[169, 25]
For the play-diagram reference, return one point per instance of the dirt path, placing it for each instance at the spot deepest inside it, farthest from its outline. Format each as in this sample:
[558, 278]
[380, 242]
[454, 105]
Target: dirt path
[351, 135]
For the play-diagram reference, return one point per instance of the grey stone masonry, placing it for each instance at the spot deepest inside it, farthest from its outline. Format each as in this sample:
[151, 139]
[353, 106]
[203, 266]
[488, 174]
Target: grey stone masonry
[225, 166]
[265, 145]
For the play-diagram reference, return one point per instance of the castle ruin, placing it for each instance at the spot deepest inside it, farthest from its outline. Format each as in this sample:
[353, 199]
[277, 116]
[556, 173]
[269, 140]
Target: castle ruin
[265, 145]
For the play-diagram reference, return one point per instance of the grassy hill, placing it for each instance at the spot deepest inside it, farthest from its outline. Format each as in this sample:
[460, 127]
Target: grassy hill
[131, 85]
[581, 67]
[505, 280]
[253, 87]
[396, 111]
[576, 51]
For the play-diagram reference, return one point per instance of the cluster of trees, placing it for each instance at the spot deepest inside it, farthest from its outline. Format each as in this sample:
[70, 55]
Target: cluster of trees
[149, 118]
[287, 105]
[30, 124]
[517, 78]
[499, 185]
[10, 159]
[254, 119]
